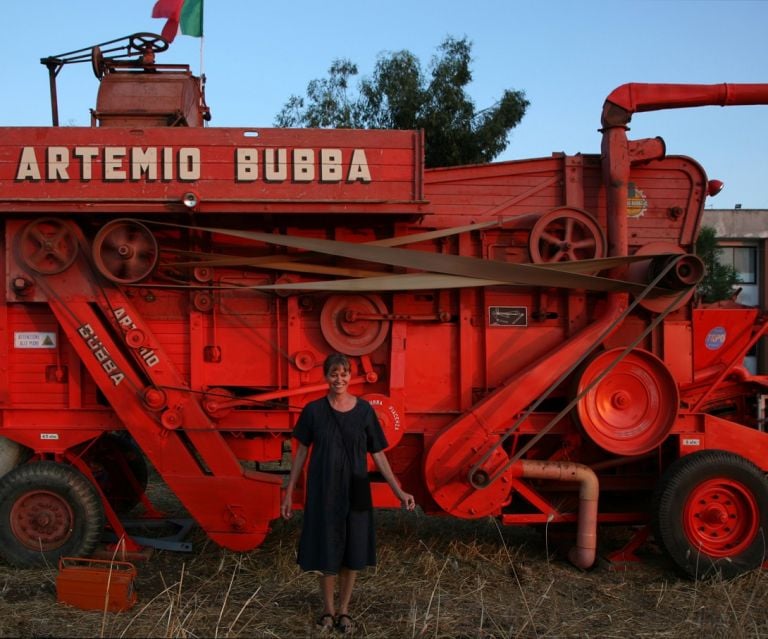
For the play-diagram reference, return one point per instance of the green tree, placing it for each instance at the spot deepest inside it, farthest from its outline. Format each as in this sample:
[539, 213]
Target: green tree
[720, 280]
[400, 95]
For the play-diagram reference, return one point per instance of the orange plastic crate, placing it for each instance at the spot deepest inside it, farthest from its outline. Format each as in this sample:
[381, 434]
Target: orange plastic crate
[96, 584]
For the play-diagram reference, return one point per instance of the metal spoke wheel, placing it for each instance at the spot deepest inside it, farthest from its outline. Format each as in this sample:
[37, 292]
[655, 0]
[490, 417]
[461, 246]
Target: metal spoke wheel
[125, 251]
[566, 235]
[712, 514]
[47, 246]
[48, 511]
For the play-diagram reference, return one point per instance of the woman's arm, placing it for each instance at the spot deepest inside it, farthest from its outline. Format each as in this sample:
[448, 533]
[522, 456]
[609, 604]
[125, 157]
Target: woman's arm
[286, 508]
[382, 463]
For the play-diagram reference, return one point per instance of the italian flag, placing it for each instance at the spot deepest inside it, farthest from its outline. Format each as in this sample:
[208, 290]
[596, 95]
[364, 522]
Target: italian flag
[184, 16]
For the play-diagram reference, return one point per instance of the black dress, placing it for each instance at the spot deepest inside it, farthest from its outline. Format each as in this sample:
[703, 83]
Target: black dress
[333, 535]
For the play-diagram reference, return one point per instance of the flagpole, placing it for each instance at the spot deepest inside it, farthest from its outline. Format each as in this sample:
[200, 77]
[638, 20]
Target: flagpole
[202, 42]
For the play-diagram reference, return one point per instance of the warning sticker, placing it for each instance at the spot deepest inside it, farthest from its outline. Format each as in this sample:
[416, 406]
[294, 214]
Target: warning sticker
[34, 340]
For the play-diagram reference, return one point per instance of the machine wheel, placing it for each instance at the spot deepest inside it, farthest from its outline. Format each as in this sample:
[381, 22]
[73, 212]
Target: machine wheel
[566, 235]
[119, 466]
[11, 455]
[632, 407]
[47, 511]
[712, 514]
[47, 246]
[125, 251]
[144, 42]
[348, 333]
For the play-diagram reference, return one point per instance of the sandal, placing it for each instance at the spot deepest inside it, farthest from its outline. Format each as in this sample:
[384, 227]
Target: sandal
[345, 628]
[322, 623]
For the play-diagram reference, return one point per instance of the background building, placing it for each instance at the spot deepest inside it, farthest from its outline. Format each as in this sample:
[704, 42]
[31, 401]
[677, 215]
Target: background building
[742, 235]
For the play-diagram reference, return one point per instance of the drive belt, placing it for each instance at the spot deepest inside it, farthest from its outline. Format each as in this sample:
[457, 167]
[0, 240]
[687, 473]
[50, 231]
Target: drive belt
[479, 271]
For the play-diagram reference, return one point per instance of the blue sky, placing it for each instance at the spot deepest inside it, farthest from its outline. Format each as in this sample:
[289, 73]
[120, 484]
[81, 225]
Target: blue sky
[566, 56]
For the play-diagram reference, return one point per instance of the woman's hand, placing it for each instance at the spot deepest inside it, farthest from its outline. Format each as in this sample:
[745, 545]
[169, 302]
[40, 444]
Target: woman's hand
[286, 507]
[407, 500]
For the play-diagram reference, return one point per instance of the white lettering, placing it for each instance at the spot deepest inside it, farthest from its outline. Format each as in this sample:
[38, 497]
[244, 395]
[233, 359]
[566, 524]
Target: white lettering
[58, 162]
[189, 164]
[303, 165]
[246, 165]
[28, 167]
[86, 154]
[275, 170]
[113, 163]
[330, 165]
[358, 167]
[167, 164]
[143, 162]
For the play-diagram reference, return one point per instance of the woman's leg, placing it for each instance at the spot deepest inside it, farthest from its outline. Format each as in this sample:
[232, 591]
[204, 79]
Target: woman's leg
[327, 587]
[346, 584]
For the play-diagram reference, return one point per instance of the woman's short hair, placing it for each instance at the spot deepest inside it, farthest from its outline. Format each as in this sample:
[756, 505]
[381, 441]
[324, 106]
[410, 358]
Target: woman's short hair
[334, 360]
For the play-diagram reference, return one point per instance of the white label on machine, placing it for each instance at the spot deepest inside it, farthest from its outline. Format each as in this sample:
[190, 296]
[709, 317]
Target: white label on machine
[691, 441]
[34, 340]
[53, 436]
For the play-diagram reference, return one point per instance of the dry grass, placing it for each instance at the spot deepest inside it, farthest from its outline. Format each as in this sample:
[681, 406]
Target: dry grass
[435, 578]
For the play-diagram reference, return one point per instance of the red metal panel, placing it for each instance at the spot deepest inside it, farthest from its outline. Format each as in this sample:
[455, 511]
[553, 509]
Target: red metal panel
[311, 170]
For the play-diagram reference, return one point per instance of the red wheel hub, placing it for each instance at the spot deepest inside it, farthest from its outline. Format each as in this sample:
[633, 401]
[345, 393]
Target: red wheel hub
[721, 517]
[630, 405]
[42, 520]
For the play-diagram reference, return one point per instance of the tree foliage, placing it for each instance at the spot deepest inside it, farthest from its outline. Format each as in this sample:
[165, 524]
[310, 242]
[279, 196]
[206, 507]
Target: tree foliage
[401, 95]
[720, 280]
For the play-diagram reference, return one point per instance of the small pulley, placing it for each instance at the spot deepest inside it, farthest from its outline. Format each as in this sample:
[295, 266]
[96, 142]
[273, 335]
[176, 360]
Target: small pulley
[629, 404]
[685, 273]
[125, 251]
[354, 324]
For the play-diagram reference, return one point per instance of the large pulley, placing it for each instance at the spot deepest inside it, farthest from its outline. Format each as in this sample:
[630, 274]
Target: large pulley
[125, 251]
[354, 324]
[47, 245]
[566, 235]
[629, 404]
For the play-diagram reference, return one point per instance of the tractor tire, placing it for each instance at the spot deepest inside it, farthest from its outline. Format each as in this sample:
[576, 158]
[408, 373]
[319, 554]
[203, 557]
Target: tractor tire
[11, 455]
[47, 511]
[712, 514]
[120, 469]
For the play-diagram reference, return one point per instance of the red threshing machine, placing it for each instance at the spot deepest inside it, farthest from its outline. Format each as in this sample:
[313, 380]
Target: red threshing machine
[527, 331]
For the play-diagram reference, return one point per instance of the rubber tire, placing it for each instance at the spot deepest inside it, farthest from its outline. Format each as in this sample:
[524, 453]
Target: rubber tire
[103, 460]
[680, 479]
[72, 487]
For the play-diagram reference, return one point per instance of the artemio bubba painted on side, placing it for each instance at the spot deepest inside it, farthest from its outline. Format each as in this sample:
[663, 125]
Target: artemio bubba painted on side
[219, 165]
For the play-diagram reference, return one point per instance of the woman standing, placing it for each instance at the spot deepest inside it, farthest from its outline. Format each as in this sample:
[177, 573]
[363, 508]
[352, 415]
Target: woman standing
[337, 540]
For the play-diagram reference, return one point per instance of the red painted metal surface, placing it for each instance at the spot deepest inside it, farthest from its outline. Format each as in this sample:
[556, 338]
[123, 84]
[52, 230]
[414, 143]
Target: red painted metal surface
[182, 285]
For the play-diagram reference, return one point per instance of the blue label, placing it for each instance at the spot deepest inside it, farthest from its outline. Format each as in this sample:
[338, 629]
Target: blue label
[715, 338]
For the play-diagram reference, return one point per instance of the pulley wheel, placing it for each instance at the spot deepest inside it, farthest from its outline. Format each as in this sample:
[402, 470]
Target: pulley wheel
[633, 406]
[645, 272]
[566, 235]
[125, 251]
[446, 473]
[346, 328]
[47, 245]
[390, 416]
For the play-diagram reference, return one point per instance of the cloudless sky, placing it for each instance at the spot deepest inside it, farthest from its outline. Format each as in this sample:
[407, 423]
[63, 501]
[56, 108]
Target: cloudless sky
[566, 56]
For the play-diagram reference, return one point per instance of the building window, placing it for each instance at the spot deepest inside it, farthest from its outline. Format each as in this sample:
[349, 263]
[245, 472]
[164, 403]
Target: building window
[743, 259]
